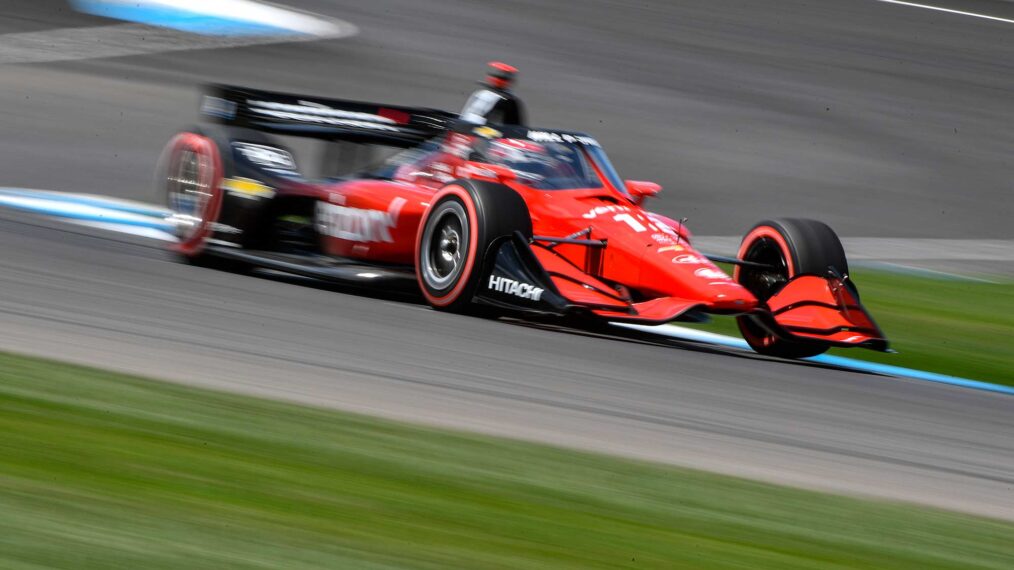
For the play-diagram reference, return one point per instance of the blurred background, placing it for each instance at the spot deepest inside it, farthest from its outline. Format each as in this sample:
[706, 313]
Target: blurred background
[882, 120]
[888, 120]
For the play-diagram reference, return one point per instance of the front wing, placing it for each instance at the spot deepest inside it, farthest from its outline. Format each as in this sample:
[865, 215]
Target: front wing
[530, 277]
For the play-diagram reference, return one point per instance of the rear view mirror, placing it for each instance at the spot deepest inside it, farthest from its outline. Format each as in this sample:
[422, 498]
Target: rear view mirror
[640, 189]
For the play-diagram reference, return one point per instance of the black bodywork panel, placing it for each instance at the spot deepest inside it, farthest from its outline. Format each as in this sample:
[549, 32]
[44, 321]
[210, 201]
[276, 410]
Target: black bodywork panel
[513, 278]
[320, 267]
[317, 117]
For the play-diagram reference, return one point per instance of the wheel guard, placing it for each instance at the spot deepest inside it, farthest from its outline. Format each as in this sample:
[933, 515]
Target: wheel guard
[826, 309]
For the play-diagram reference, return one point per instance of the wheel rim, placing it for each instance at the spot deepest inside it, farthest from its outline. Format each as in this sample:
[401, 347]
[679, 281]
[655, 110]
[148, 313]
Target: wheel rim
[763, 283]
[444, 245]
[188, 186]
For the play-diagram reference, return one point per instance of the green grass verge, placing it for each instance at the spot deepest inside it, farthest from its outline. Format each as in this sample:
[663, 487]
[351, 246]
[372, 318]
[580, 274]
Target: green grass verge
[105, 471]
[950, 326]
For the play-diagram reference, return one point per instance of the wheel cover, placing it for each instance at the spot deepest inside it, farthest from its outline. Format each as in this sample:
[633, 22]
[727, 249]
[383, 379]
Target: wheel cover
[444, 245]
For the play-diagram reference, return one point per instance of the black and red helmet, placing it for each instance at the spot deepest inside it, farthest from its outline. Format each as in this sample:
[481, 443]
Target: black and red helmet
[500, 75]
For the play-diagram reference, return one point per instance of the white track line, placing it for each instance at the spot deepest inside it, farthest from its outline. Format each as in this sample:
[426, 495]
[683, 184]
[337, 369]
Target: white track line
[948, 10]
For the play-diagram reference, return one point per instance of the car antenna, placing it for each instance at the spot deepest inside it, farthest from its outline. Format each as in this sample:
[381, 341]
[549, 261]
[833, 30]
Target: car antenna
[679, 234]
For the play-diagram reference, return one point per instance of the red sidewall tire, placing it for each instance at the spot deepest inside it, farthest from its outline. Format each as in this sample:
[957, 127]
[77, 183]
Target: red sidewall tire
[212, 174]
[465, 220]
[805, 246]
[761, 232]
[456, 296]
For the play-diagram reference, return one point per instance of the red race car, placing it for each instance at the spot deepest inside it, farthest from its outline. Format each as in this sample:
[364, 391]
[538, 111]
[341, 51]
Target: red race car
[478, 210]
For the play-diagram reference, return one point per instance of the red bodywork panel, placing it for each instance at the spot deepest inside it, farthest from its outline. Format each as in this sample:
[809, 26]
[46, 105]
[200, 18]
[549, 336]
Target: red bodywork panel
[823, 308]
[377, 221]
[372, 220]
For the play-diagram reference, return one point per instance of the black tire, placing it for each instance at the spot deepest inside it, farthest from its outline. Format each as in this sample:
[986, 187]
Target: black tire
[795, 246]
[464, 221]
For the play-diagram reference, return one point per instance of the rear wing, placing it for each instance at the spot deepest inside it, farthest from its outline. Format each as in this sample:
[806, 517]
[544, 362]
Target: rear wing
[329, 119]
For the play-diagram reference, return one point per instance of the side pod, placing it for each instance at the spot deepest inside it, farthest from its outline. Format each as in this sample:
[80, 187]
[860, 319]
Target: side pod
[513, 278]
[826, 309]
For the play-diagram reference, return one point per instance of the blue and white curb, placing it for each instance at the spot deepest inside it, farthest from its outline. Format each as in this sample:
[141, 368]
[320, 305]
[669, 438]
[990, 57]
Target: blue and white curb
[693, 335]
[122, 216]
[217, 17]
[136, 218]
[14, 196]
[146, 27]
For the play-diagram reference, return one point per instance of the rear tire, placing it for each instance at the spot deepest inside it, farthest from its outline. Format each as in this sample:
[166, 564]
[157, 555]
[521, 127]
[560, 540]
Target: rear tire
[794, 246]
[189, 178]
[465, 219]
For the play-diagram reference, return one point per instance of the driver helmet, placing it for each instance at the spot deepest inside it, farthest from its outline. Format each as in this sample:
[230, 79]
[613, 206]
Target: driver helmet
[500, 75]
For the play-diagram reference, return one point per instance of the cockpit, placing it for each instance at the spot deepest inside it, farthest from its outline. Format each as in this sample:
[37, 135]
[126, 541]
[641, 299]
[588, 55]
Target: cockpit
[539, 159]
[543, 166]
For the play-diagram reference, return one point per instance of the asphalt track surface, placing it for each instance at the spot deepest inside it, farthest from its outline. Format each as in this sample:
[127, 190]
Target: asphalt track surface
[882, 120]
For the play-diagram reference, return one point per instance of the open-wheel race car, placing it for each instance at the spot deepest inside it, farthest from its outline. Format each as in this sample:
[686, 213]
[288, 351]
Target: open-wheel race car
[477, 210]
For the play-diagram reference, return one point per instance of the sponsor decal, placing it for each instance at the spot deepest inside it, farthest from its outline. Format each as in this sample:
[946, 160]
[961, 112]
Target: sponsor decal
[247, 188]
[442, 172]
[689, 258]
[601, 210]
[310, 112]
[458, 145]
[661, 225]
[711, 273]
[515, 288]
[634, 223]
[487, 132]
[218, 107]
[676, 247]
[664, 239]
[356, 224]
[269, 157]
[547, 136]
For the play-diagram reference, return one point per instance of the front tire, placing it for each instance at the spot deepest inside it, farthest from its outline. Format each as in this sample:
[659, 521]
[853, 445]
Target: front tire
[793, 247]
[465, 219]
